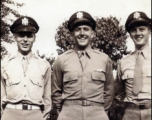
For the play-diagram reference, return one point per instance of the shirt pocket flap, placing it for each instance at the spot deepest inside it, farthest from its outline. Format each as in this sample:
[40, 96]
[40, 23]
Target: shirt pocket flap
[98, 76]
[13, 80]
[38, 81]
[70, 77]
[128, 74]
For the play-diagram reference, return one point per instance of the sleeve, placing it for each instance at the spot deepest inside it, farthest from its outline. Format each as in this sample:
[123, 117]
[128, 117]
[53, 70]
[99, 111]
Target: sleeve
[57, 85]
[119, 85]
[47, 91]
[109, 86]
[3, 89]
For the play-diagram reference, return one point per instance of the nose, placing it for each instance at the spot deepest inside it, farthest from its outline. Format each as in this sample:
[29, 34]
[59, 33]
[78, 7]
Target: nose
[25, 38]
[82, 32]
[138, 32]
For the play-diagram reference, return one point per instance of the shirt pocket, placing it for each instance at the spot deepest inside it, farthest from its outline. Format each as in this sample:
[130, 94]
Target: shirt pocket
[70, 82]
[149, 73]
[98, 77]
[35, 87]
[148, 77]
[13, 86]
[69, 77]
[128, 74]
[13, 80]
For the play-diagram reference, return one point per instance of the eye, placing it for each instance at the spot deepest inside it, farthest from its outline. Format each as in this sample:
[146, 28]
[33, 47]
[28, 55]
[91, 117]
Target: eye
[21, 34]
[133, 30]
[86, 29]
[29, 35]
[142, 29]
[77, 29]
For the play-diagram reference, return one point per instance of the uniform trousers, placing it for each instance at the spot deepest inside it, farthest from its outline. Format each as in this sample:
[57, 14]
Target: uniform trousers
[15, 114]
[78, 112]
[137, 114]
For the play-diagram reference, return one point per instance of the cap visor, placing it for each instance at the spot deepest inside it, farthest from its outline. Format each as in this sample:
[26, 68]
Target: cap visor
[25, 29]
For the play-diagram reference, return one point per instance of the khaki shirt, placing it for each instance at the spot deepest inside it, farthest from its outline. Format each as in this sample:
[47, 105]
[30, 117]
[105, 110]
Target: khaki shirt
[34, 87]
[125, 77]
[88, 79]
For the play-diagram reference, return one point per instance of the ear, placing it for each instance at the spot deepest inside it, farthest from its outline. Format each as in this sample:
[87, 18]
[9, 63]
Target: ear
[92, 34]
[34, 38]
[14, 36]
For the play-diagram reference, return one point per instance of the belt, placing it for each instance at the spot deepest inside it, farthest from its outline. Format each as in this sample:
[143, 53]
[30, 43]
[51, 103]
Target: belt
[82, 103]
[138, 106]
[23, 106]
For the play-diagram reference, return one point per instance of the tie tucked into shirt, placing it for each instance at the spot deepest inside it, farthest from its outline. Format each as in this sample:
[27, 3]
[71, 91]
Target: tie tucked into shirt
[24, 64]
[138, 83]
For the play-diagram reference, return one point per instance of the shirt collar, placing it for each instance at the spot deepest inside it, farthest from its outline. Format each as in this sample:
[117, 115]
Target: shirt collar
[87, 51]
[19, 56]
[145, 51]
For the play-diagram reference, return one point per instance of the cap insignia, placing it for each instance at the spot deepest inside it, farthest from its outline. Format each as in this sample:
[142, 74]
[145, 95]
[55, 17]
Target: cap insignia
[25, 21]
[79, 15]
[136, 15]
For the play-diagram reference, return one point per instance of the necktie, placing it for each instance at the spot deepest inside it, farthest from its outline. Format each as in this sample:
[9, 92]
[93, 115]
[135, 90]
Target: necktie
[82, 57]
[81, 53]
[24, 64]
[137, 83]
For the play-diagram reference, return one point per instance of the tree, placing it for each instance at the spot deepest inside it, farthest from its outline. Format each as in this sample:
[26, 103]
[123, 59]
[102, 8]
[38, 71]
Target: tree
[6, 11]
[110, 38]
[50, 58]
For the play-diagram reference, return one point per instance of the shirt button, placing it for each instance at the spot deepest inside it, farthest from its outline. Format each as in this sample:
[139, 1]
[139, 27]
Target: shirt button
[24, 85]
[24, 95]
[40, 101]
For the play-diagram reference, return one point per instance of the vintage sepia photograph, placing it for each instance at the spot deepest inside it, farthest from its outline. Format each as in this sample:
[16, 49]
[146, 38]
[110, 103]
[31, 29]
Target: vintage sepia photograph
[75, 60]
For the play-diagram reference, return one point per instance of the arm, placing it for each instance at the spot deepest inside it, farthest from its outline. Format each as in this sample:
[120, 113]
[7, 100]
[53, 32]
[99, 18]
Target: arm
[47, 91]
[119, 84]
[109, 85]
[3, 90]
[57, 85]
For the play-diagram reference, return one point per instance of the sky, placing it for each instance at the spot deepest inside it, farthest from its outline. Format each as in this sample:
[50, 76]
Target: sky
[49, 14]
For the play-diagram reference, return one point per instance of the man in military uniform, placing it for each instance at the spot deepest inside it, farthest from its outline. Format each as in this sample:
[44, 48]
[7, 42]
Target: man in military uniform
[25, 78]
[83, 84]
[134, 71]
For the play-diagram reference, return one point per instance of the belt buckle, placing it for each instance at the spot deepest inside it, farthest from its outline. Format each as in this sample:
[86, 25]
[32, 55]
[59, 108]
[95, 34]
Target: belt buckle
[25, 106]
[85, 103]
[142, 106]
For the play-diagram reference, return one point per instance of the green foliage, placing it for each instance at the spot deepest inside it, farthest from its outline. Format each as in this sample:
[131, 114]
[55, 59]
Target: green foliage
[110, 38]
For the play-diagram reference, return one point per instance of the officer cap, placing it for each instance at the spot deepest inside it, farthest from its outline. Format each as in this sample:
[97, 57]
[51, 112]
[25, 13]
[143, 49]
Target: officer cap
[24, 24]
[139, 18]
[81, 18]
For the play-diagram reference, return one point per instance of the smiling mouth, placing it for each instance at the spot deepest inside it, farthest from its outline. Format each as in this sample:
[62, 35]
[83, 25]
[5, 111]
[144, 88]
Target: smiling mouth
[138, 39]
[24, 45]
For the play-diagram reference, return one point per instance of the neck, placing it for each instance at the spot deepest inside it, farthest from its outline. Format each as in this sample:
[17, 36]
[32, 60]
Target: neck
[142, 47]
[78, 48]
[24, 53]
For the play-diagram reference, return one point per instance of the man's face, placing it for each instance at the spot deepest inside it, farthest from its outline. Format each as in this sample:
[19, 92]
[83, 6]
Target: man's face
[24, 41]
[140, 35]
[83, 35]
